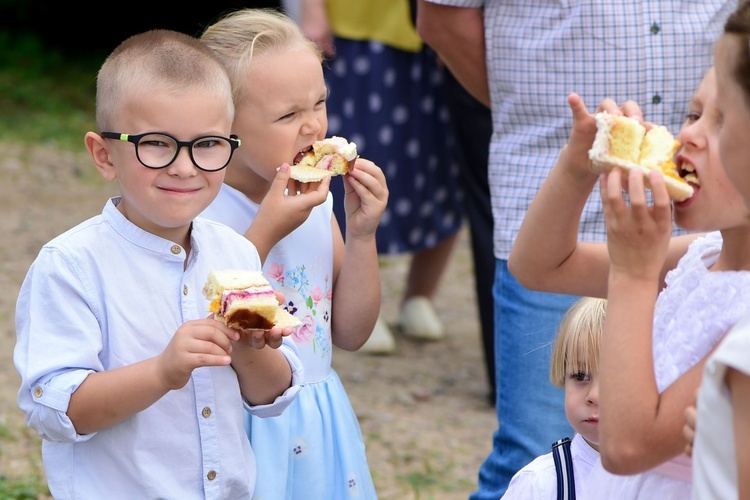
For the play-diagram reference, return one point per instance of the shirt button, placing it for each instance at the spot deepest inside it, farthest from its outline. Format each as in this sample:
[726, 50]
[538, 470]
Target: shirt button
[206, 412]
[184, 289]
[655, 29]
[38, 392]
[211, 475]
[176, 249]
[656, 99]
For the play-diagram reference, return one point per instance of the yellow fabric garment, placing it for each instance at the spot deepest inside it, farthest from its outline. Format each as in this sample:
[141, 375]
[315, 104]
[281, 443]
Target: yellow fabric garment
[387, 21]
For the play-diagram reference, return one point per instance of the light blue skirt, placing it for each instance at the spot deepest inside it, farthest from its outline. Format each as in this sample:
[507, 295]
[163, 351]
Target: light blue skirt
[314, 450]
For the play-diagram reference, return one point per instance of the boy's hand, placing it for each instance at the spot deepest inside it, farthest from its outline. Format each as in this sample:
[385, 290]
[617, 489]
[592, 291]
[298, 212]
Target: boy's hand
[637, 234]
[258, 339]
[197, 343]
[366, 195]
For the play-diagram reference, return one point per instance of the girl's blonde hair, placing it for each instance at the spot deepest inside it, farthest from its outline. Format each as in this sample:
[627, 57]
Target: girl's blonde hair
[241, 35]
[578, 340]
[157, 61]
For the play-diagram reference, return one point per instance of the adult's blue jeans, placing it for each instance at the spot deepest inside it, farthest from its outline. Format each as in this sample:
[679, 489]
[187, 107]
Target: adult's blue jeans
[530, 409]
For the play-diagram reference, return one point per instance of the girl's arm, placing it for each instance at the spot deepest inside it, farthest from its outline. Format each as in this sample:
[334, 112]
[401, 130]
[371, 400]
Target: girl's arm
[547, 255]
[639, 428]
[356, 285]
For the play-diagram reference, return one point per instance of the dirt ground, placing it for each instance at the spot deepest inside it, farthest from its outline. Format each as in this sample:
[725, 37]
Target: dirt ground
[423, 410]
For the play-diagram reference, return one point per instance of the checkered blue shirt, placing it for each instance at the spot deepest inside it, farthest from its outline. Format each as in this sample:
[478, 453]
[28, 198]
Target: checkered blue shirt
[539, 51]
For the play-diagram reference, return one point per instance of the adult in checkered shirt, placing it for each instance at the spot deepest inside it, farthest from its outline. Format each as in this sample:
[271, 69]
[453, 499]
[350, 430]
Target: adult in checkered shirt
[523, 58]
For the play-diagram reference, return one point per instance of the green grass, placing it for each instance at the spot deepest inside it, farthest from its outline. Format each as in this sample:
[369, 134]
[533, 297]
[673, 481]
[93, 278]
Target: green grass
[46, 98]
[29, 489]
[33, 486]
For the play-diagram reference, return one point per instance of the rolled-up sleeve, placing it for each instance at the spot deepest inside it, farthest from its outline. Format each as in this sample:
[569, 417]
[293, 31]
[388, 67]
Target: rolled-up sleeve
[57, 345]
[45, 405]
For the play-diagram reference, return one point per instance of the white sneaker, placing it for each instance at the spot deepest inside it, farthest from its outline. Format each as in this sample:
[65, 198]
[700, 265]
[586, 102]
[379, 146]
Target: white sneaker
[381, 339]
[419, 320]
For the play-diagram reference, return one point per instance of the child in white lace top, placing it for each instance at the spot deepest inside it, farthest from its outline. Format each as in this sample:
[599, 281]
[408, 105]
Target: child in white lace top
[670, 299]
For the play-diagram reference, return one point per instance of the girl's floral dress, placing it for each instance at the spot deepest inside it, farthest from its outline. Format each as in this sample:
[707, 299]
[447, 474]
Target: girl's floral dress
[315, 448]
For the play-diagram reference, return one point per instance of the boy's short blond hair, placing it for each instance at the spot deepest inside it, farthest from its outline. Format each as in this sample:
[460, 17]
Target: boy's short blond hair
[157, 60]
[578, 340]
[241, 35]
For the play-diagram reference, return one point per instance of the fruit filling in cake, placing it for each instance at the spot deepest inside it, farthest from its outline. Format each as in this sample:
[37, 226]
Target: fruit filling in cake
[255, 292]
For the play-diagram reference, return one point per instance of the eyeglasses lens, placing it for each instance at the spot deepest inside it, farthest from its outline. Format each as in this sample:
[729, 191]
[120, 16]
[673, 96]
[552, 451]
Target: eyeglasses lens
[208, 153]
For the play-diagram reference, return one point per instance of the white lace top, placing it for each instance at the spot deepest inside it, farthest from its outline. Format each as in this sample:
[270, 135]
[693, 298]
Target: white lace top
[694, 311]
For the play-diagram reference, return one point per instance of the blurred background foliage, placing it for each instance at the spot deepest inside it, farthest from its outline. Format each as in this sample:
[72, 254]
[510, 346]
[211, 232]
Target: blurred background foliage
[50, 52]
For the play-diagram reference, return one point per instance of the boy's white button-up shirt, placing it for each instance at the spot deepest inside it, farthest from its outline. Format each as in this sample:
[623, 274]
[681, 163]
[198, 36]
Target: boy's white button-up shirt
[107, 294]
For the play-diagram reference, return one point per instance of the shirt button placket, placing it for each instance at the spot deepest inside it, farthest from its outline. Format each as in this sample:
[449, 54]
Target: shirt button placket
[655, 30]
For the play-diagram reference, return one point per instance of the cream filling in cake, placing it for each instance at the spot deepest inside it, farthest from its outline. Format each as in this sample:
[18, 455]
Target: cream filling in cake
[343, 147]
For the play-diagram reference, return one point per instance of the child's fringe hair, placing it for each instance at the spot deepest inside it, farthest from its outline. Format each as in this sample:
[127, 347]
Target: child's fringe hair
[578, 340]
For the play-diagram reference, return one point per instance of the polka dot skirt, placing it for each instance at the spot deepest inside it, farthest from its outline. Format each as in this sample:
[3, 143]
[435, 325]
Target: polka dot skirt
[390, 103]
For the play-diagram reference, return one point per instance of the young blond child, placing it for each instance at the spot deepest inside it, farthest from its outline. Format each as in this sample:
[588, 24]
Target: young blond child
[315, 449]
[134, 389]
[575, 369]
[721, 453]
[670, 300]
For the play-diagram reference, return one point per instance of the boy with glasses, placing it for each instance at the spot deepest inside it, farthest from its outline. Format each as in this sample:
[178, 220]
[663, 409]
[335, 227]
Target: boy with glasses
[135, 390]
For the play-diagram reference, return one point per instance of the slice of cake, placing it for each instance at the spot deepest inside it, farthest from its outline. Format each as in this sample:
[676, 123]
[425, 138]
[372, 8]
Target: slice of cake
[624, 142]
[332, 156]
[245, 300]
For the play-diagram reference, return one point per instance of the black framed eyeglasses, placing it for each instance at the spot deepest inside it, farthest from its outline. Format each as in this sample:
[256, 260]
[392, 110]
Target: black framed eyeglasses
[159, 150]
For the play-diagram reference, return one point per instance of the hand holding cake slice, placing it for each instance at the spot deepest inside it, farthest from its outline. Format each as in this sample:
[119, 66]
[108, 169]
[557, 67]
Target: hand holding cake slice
[624, 142]
[332, 156]
[245, 300]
